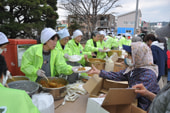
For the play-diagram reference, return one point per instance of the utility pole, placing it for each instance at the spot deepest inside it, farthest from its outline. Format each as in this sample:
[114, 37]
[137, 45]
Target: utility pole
[136, 17]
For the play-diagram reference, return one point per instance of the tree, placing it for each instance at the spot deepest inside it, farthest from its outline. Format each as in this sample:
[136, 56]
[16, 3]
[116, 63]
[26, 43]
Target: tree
[87, 10]
[26, 18]
[73, 26]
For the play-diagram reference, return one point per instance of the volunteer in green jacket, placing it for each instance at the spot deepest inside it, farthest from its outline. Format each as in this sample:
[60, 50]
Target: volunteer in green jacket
[101, 44]
[73, 47]
[43, 59]
[125, 40]
[13, 100]
[10, 104]
[64, 38]
[111, 41]
[91, 45]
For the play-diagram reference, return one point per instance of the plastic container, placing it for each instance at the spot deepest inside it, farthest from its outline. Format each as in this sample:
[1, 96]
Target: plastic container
[13, 54]
[44, 102]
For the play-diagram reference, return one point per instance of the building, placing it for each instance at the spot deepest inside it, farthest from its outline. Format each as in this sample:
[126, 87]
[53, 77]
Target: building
[126, 22]
[61, 24]
[104, 22]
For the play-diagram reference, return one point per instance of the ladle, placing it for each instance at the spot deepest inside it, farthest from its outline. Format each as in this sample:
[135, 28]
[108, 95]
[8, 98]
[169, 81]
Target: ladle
[52, 84]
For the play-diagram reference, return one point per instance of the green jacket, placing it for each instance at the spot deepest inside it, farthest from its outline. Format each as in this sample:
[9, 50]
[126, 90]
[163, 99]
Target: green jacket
[58, 46]
[16, 101]
[124, 41]
[101, 55]
[89, 47]
[72, 48]
[32, 60]
[111, 42]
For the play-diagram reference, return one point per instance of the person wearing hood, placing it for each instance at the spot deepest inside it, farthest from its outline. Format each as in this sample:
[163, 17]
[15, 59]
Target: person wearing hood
[159, 53]
[64, 38]
[43, 59]
[140, 70]
[8, 103]
[91, 45]
[73, 47]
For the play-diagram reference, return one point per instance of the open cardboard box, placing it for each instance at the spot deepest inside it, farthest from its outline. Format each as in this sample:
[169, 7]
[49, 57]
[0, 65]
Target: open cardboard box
[96, 84]
[117, 100]
[118, 65]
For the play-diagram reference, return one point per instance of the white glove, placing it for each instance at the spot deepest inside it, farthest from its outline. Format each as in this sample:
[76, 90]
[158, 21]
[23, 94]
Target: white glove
[41, 73]
[8, 74]
[5, 78]
[66, 55]
[100, 50]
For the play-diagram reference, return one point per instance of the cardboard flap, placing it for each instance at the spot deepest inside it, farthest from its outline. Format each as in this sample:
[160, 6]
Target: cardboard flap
[93, 85]
[137, 110]
[118, 96]
[114, 84]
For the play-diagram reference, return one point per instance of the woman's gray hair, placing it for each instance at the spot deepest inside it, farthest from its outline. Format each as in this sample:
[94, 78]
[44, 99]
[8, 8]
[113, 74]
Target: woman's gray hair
[137, 39]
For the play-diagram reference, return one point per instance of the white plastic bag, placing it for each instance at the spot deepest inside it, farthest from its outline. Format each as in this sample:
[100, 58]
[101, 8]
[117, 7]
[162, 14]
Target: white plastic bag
[110, 62]
[44, 102]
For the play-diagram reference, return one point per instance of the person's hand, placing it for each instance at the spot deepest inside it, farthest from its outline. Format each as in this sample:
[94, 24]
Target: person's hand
[100, 50]
[41, 73]
[140, 88]
[85, 56]
[66, 55]
[94, 70]
[93, 54]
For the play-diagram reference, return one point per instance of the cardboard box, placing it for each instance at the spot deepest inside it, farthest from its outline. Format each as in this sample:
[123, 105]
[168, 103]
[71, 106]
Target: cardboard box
[119, 52]
[119, 65]
[117, 100]
[96, 84]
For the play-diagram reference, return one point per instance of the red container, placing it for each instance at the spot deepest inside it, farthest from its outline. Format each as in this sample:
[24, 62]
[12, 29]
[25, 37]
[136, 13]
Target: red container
[168, 61]
[13, 54]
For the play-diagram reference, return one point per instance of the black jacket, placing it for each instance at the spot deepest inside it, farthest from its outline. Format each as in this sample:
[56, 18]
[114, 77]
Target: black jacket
[3, 66]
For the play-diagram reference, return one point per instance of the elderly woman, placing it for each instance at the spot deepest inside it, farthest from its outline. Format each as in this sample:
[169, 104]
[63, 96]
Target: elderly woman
[73, 47]
[140, 70]
[101, 44]
[64, 38]
[91, 45]
[43, 59]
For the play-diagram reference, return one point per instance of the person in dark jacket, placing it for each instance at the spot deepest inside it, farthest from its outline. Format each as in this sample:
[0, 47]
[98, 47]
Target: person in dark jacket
[3, 43]
[159, 53]
[160, 102]
[140, 70]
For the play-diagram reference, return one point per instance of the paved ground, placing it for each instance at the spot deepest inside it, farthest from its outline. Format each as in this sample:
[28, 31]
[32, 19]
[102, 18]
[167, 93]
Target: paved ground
[164, 81]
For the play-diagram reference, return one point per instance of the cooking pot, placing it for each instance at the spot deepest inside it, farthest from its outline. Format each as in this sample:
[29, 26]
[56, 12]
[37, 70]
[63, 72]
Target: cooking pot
[17, 78]
[29, 86]
[57, 92]
[98, 63]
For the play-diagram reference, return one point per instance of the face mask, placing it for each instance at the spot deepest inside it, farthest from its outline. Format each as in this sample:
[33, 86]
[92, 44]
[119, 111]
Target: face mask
[128, 62]
[1, 50]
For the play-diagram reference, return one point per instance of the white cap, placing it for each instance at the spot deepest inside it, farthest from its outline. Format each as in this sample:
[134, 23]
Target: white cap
[102, 33]
[63, 33]
[46, 34]
[77, 33]
[3, 38]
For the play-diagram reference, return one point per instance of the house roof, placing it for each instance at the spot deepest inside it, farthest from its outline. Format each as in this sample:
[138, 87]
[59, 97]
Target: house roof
[139, 11]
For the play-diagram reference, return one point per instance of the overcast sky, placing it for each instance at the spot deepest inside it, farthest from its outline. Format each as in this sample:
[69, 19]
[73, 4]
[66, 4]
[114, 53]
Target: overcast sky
[152, 10]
